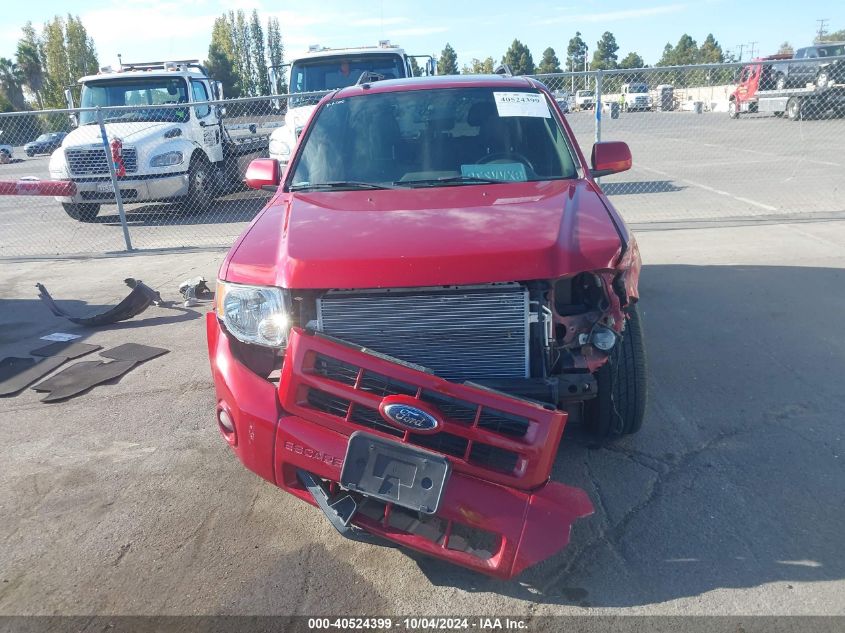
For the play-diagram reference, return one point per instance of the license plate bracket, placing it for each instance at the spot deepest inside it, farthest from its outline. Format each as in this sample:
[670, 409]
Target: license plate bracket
[105, 187]
[396, 473]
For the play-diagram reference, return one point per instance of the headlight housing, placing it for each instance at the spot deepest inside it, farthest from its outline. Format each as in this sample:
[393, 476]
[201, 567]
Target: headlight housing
[168, 159]
[254, 314]
[822, 79]
[279, 148]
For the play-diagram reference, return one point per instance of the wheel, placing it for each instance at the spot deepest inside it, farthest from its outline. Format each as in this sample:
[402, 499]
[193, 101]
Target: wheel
[5, 157]
[733, 111]
[81, 211]
[202, 187]
[619, 407]
[794, 109]
[780, 82]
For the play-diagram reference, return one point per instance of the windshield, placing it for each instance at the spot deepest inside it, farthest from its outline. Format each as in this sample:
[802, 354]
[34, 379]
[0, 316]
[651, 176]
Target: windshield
[585, 93]
[638, 88]
[44, 137]
[136, 92]
[434, 138]
[330, 73]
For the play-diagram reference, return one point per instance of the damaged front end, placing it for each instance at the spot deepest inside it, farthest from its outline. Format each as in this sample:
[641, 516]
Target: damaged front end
[430, 417]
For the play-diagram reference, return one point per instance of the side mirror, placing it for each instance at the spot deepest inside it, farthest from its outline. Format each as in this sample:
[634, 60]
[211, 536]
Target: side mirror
[263, 173]
[610, 158]
[74, 121]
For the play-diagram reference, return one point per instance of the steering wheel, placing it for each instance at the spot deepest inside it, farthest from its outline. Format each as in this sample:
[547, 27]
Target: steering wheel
[502, 156]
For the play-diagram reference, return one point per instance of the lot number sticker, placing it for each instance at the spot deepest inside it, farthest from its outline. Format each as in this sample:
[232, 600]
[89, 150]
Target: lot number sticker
[521, 104]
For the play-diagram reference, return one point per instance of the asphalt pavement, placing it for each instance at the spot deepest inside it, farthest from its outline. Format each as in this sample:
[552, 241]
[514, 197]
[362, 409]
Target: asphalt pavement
[730, 500]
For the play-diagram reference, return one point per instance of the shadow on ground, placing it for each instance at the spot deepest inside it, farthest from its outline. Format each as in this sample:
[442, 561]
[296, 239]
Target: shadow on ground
[737, 477]
[224, 211]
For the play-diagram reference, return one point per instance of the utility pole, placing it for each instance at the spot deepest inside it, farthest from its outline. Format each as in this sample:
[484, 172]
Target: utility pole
[752, 45]
[741, 48]
[822, 29]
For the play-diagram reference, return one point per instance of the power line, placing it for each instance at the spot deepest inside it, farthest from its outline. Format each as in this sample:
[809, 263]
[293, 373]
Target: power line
[822, 28]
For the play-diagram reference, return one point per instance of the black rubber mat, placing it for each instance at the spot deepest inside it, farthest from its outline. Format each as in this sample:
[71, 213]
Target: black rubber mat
[68, 349]
[16, 374]
[134, 352]
[81, 377]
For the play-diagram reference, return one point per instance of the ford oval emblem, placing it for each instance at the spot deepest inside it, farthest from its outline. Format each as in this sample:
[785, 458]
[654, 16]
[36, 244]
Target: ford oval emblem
[410, 417]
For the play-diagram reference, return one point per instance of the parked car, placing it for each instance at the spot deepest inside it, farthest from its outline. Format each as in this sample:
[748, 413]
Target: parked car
[5, 152]
[820, 70]
[563, 103]
[44, 144]
[403, 331]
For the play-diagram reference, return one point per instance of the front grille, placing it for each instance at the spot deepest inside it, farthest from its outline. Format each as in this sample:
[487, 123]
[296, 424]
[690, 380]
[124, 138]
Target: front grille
[83, 162]
[458, 333]
[484, 434]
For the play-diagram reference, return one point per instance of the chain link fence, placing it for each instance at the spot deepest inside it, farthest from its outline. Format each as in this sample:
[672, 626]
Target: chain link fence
[711, 143]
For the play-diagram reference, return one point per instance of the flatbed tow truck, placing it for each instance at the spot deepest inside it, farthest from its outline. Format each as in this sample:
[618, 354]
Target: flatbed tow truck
[756, 92]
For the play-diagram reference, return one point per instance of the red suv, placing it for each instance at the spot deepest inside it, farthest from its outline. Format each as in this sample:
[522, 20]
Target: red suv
[436, 288]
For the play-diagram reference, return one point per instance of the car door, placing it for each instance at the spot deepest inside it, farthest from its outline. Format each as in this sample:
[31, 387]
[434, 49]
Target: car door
[207, 121]
[795, 69]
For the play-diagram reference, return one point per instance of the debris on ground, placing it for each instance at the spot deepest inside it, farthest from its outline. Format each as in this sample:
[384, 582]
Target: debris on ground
[141, 297]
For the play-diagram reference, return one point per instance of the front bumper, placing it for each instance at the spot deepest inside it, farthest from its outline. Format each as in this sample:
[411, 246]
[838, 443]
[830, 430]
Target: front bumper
[493, 527]
[132, 189]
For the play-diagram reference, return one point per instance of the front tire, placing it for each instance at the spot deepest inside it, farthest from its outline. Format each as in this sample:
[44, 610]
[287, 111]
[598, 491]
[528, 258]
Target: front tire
[619, 407]
[81, 212]
[794, 111]
[733, 110]
[202, 187]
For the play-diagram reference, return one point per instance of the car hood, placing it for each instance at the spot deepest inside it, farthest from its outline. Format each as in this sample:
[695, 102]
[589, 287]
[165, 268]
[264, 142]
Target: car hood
[427, 237]
[128, 132]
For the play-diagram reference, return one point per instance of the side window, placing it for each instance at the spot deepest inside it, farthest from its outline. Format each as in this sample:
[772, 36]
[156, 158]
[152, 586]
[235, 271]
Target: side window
[801, 53]
[200, 94]
[812, 53]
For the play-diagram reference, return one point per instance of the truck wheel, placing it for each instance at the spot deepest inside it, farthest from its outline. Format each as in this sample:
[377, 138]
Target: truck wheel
[619, 407]
[794, 109]
[82, 211]
[202, 187]
[733, 111]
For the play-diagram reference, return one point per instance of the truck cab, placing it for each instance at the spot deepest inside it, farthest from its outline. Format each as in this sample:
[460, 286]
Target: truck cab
[324, 69]
[163, 147]
[585, 100]
[635, 96]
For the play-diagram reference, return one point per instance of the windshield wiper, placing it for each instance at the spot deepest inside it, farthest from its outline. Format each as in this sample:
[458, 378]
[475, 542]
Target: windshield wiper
[469, 180]
[337, 184]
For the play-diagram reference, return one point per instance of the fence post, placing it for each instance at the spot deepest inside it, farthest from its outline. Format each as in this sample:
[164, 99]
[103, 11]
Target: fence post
[598, 106]
[117, 197]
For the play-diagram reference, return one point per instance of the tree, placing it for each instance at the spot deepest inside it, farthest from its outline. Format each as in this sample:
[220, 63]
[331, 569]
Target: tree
[81, 53]
[479, 67]
[604, 57]
[260, 78]
[519, 59]
[632, 60]
[684, 52]
[836, 36]
[550, 63]
[710, 51]
[221, 58]
[416, 71]
[786, 49]
[448, 62]
[576, 53]
[29, 61]
[276, 55]
[11, 83]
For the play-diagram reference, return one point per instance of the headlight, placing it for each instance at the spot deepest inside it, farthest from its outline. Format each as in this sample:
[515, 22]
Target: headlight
[279, 148]
[822, 80]
[168, 159]
[253, 314]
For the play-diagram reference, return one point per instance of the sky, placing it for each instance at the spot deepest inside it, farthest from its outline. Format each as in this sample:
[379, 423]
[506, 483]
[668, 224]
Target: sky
[148, 30]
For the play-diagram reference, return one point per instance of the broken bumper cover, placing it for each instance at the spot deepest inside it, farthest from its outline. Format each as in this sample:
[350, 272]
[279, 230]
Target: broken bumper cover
[488, 526]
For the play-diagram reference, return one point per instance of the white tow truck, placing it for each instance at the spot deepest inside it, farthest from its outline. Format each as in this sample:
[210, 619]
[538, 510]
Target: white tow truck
[160, 153]
[635, 96]
[323, 69]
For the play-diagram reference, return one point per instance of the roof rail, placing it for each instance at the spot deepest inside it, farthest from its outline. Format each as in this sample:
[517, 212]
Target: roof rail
[503, 69]
[368, 76]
